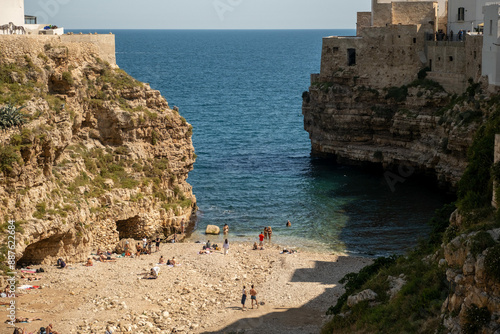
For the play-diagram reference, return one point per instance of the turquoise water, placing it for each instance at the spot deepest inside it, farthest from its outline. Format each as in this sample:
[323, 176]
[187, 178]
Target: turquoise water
[241, 91]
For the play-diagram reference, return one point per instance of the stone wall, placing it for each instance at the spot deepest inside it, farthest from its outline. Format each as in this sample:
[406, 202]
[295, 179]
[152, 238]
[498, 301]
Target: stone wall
[364, 20]
[384, 56]
[454, 63]
[104, 45]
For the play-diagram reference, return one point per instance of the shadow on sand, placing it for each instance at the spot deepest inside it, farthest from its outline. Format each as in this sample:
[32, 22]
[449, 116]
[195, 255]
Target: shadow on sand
[305, 319]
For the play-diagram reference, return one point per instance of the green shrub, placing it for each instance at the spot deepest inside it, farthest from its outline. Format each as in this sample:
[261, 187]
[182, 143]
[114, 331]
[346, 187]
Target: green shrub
[475, 319]
[41, 210]
[492, 262]
[481, 241]
[475, 187]
[68, 77]
[422, 74]
[11, 116]
[399, 94]
[8, 156]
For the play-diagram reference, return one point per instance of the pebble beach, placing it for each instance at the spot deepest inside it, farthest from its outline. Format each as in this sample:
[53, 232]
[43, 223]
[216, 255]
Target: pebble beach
[200, 295]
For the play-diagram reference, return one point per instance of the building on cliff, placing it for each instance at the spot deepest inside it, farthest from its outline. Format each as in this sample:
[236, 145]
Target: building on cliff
[398, 38]
[370, 104]
[14, 21]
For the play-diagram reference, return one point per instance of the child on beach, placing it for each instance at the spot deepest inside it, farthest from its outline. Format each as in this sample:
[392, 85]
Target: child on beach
[226, 247]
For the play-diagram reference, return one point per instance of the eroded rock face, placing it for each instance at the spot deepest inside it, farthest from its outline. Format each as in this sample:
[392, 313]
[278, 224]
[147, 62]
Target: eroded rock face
[471, 287]
[103, 157]
[404, 129]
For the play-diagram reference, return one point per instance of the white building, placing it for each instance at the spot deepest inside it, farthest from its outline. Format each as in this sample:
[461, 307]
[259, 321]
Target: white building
[465, 15]
[12, 11]
[491, 43]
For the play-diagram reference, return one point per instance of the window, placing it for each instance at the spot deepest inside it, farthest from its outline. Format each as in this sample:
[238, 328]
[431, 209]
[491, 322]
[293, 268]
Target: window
[451, 58]
[475, 55]
[351, 57]
[461, 14]
[491, 27]
[414, 40]
[28, 19]
[335, 49]
[430, 64]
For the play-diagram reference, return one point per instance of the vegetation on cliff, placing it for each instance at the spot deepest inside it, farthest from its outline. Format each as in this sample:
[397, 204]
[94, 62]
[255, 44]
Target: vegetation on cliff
[428, 301]
[84, 145]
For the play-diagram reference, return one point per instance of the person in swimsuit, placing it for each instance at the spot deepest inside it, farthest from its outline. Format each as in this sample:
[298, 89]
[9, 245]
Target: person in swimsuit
[269, 232]
[265, 233]
[288, 224]
[253, 296]
[225, 229]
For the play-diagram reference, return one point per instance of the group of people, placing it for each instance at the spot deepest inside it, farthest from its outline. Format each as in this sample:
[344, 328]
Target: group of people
[209, 247]
[43, 330]
[253, 297]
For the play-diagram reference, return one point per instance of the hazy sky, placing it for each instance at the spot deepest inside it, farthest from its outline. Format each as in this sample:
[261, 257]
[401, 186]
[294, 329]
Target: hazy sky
[198, 14]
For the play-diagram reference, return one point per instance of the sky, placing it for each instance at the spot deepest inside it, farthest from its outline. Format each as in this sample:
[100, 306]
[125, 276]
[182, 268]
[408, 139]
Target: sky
[198, 14]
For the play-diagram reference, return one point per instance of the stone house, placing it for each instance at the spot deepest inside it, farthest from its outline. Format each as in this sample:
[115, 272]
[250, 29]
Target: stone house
[14, 21]
[398, 38]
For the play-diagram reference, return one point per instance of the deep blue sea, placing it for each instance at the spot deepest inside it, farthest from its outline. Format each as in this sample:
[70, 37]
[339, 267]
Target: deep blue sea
[241, 91]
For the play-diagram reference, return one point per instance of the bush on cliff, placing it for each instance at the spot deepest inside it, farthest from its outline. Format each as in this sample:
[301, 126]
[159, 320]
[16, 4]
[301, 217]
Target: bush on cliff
[475, 188]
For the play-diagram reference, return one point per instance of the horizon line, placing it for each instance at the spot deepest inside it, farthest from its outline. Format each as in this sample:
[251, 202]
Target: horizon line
[209, 28]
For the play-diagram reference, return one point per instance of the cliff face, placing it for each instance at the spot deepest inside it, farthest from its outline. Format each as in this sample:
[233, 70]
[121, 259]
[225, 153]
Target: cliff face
[418, 126]
[101, 157]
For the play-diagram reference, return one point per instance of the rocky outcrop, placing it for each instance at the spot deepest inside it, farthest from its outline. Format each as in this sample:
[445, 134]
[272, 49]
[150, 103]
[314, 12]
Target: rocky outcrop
[474, 300]
[417, 128]
[103, 157]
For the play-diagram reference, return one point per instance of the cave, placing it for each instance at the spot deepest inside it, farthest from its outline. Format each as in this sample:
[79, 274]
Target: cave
[44, 249]
[131, 228]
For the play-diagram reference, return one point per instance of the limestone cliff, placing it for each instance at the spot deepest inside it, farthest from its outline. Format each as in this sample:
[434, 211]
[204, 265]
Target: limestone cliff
[101, 157]
[417, 125]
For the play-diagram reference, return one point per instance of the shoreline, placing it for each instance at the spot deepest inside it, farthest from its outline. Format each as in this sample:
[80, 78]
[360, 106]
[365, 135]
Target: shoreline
[202, 295]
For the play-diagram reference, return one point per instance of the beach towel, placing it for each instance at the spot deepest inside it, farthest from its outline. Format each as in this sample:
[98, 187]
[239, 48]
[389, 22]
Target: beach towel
[29, 271]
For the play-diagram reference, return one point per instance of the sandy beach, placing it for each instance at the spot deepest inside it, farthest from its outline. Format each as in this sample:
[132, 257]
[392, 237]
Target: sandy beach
[201, 295]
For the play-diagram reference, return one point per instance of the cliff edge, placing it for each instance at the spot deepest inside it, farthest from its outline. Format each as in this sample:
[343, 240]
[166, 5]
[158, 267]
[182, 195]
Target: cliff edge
[100, 156]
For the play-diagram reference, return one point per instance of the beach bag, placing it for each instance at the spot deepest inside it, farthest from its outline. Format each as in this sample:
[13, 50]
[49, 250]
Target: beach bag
[42, 331]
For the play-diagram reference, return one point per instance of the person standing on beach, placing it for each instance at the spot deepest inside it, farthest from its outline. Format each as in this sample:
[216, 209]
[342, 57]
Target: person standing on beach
[226, 247]
[265, 232]
[269, 232]
[261, 239]
[253, 296]
[158, 240]
[243, 298]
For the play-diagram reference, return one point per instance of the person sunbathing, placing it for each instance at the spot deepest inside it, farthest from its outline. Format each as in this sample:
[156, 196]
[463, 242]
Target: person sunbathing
[173, 262]
[162, 260]
[89, 263]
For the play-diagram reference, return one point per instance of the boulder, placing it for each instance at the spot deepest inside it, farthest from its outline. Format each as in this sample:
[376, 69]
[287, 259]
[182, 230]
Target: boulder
[361, 297]
[212, 229]
[120, 247]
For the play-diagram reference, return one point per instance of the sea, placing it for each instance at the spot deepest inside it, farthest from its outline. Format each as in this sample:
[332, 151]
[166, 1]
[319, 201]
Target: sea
[241, 91]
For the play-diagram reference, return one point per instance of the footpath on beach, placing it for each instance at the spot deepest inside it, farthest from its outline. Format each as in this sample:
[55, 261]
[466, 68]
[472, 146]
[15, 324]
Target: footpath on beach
[200, 294]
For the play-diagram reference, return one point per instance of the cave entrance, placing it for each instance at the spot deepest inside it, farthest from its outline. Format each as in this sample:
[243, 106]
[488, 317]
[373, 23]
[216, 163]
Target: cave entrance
[131, 228]
[44, 249]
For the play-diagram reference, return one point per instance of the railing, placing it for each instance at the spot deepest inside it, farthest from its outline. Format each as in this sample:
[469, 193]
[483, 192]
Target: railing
[442, 37]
